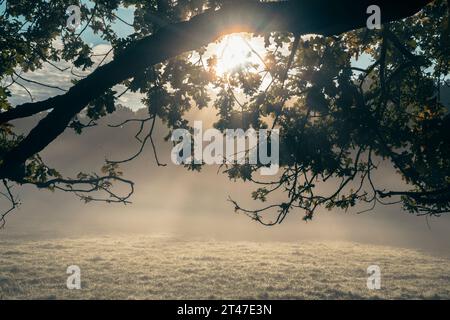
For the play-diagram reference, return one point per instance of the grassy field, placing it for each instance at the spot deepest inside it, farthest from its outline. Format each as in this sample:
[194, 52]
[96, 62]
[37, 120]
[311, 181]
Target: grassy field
[145, 267]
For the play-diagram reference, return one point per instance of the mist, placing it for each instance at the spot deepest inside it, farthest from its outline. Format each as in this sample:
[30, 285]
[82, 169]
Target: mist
[190, 205]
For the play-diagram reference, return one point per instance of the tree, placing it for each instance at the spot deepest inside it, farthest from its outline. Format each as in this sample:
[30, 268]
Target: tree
[334, 118]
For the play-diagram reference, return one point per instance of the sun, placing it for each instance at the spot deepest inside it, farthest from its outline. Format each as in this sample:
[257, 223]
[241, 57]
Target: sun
[232, 52]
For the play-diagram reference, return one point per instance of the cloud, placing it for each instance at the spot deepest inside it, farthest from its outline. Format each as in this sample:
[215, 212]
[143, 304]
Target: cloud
[52, 76]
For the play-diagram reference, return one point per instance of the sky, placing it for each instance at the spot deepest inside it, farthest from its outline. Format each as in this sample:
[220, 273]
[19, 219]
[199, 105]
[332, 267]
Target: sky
[175, 201]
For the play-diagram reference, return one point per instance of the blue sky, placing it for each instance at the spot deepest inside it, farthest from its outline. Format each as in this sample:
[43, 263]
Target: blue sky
[119, 27]
[122, 29]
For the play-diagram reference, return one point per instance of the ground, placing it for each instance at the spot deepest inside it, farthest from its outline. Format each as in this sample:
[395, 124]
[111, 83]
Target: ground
[162, 267]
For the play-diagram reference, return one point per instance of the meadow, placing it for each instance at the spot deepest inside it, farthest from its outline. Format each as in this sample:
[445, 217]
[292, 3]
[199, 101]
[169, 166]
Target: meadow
[164, 267]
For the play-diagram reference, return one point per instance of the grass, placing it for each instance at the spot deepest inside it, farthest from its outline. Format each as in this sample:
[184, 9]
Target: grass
[146, 267]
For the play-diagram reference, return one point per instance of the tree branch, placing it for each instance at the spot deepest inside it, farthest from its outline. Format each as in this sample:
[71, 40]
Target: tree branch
[324, 17]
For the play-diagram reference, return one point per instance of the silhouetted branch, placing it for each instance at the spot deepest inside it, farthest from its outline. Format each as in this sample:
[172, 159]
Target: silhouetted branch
[39, 83]
[88, 184]
[143, 142]
[11, 199]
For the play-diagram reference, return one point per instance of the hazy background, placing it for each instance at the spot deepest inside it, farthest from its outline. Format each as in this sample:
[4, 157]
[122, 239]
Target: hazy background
[171, 200]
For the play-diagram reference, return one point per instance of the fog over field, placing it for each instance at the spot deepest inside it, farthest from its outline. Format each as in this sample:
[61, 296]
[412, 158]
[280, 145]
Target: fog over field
[144, 267]
[207, 250]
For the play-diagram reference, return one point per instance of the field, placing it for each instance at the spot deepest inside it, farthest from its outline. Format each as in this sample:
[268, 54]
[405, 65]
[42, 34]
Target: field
[160, 267]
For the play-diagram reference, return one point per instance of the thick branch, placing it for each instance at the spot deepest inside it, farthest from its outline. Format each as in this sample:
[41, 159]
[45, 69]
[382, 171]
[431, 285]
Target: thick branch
[325, 17]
